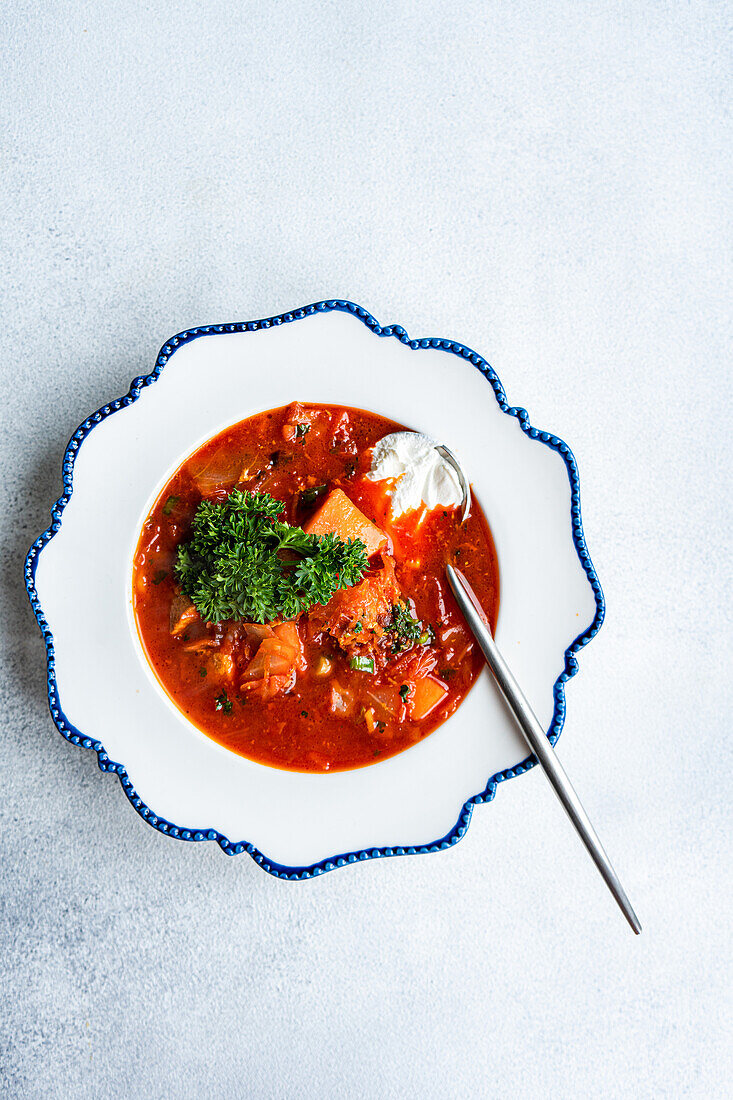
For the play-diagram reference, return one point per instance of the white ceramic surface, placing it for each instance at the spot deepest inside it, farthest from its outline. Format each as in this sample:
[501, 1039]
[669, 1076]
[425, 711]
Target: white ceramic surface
[106, 687]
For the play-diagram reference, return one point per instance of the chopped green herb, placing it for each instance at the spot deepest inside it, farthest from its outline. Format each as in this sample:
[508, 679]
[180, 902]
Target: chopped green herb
[381, 726]
[427, 637]
[405, 690]
[405, 629]
[310, 496]
[446, 673]
[304, 713]
[377, 752]
[202, 672]
[244, 563]
[358, 627]
[350, 469]
[223, 702]
[301, 430]
[160, 576]
[362, 664]
[169, 505]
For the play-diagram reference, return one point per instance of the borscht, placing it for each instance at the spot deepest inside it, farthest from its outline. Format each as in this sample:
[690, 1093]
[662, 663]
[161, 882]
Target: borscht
[289, 588]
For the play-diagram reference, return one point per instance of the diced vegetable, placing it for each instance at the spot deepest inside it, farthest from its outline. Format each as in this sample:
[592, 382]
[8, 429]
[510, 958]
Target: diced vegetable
[338, 516]
[413, 665]
[324, 667]
[362, 664]
[357, 616]
[426, 695]
[386, 701]
[341, 701]
[182, 614]
[302, 419]
[220, 665]
[288, 633]
[257, 632]
[273, 658]
[222, 470]
[341, 430]
[268, 687]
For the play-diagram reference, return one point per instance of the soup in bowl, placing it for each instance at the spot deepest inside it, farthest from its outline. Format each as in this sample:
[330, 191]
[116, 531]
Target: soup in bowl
[289, 588]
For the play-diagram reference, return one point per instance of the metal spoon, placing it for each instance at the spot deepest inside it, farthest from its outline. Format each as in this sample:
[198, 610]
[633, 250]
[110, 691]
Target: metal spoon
[526, 719]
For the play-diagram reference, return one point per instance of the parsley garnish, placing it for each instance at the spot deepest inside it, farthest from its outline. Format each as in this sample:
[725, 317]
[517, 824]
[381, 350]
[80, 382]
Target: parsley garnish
[405, 691]
[310, 496]
[244, 563]
[223, 702]
[301, 430]
[169, 505]
[160, 576]
[405, 629]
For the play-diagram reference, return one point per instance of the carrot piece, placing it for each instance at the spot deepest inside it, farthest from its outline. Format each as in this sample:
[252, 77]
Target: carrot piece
[426, 695]
[338, 516]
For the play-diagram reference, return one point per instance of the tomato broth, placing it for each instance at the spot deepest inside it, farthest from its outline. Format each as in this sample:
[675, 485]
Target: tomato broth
[343, 684]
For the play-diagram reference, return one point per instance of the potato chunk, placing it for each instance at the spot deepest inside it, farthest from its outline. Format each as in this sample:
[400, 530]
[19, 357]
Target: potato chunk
[338, 516]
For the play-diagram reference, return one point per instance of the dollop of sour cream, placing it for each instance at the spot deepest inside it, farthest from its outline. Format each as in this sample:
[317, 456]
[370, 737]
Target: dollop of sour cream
[419, 474]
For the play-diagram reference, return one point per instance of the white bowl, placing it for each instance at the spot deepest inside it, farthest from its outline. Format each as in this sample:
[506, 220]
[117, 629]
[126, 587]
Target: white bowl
[102, 692]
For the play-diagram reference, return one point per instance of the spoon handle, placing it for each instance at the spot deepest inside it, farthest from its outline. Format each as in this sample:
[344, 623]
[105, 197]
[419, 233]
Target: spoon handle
[537, 740]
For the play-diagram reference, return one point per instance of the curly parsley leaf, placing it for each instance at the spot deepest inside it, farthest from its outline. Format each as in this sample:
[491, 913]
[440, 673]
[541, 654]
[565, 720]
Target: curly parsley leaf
[244, 563]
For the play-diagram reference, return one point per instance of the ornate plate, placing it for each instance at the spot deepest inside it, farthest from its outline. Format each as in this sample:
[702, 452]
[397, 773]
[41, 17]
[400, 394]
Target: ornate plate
[101, 690]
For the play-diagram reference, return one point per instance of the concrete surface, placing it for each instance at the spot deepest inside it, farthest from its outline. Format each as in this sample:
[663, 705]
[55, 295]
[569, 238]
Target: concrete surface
[546, 183]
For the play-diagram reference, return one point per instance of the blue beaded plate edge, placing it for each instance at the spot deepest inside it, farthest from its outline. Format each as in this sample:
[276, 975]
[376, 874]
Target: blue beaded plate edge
[76, 737]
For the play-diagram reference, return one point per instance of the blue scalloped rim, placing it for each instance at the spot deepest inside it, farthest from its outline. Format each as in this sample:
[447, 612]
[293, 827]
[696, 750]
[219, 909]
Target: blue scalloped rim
[76, 737]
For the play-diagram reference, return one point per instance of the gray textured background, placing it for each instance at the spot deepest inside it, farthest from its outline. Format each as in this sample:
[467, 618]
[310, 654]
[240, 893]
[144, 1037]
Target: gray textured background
[544, 182]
